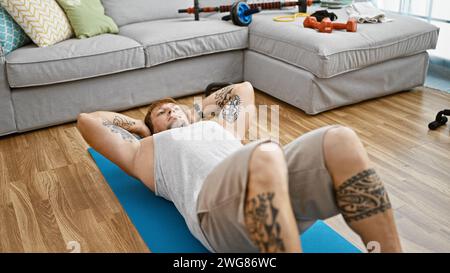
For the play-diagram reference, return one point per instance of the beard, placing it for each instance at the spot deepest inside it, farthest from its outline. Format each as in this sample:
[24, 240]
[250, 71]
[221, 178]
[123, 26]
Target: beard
[177, 123]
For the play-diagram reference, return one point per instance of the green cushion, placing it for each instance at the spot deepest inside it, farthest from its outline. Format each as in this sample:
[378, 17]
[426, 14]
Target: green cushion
[88, 18]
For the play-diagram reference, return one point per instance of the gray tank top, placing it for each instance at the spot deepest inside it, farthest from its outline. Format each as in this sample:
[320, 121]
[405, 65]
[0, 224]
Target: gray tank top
[183, 158]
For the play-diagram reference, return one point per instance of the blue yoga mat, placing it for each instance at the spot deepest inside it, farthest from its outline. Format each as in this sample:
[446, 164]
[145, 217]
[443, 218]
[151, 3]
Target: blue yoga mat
[163, 229]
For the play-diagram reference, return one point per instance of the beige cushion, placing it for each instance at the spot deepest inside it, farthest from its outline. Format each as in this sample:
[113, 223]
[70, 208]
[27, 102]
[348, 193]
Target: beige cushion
[72, 60]
[330, 54]
[174, 39]
[42, 20]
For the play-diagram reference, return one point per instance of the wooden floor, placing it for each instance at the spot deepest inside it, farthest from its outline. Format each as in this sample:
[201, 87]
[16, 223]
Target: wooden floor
[52, 193]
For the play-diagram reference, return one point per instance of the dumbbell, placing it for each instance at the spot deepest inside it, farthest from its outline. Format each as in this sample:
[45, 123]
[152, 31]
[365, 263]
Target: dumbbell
[327, 26]
[350, 26]
[324, 26]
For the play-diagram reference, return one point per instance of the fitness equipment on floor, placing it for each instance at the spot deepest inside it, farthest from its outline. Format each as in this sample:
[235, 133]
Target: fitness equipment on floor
[441, 119]
[326, 26]
[196, 10]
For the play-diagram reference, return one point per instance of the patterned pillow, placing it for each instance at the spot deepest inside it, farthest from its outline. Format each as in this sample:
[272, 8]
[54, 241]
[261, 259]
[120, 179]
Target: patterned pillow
[11, 35]
[42, 20]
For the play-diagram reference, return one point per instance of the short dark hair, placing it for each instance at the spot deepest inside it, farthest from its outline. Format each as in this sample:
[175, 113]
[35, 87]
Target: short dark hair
[153, 106]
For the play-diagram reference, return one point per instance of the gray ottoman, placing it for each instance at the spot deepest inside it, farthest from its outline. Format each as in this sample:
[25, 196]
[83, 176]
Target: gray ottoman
[317, 71]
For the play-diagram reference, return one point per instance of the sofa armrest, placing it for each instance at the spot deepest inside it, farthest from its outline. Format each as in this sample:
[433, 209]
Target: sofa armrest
[4, 86]
[7, 120]
[2, 56]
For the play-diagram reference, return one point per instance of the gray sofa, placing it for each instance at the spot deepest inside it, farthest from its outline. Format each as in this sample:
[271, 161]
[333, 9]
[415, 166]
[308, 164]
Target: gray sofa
[159, 53]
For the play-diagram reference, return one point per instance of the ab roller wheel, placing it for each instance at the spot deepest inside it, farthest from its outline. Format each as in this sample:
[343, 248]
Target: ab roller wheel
[241, 14]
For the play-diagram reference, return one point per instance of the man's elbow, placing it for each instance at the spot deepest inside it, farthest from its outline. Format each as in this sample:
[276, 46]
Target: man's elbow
[82, 120]
[247, 85]
[246, 91]
[245, 88]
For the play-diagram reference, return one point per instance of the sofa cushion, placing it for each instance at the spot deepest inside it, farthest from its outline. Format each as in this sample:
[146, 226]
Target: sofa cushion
[173, 39]
[88, 18]
[11, 34]
[42, 20]
[327, 55]
[73, 59]
[126, 12]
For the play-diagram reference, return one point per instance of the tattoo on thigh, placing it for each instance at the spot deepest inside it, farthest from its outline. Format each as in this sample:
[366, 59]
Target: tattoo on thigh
[123, 122]
[127, 136]
[231, 110]
[362, 196]
[261, 220]
[223, 95]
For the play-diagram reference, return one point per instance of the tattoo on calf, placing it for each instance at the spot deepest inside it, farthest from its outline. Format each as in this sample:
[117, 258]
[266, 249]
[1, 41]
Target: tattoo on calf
[362, 196]
[223, 95]
[261, 220]
[123, 122]
[231, 110]
[127, 136]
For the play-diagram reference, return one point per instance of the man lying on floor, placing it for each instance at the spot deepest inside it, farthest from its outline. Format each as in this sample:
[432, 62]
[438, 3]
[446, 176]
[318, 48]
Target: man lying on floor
[246, 198]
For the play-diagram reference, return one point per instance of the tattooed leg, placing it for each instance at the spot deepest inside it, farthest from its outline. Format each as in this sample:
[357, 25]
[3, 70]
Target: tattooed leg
[263, 225]
[360, 194]
[269, 217]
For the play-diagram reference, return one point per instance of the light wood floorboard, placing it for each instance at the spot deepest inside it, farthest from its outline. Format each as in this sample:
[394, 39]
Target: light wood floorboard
[51, 192]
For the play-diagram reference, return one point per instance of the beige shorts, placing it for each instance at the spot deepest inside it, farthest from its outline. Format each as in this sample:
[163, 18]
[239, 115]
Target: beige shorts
[221, 201]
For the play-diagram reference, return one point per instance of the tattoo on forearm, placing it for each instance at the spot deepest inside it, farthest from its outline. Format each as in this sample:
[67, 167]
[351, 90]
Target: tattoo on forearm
[362, 196]
[223, 95]
[127, 136]
[123, 122]
[261, 220]
[231, 110]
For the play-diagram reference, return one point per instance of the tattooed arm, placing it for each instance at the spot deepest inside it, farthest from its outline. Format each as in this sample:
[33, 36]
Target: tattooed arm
[231, 105]
[241, 94]
[109, 134]
[132, 125]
